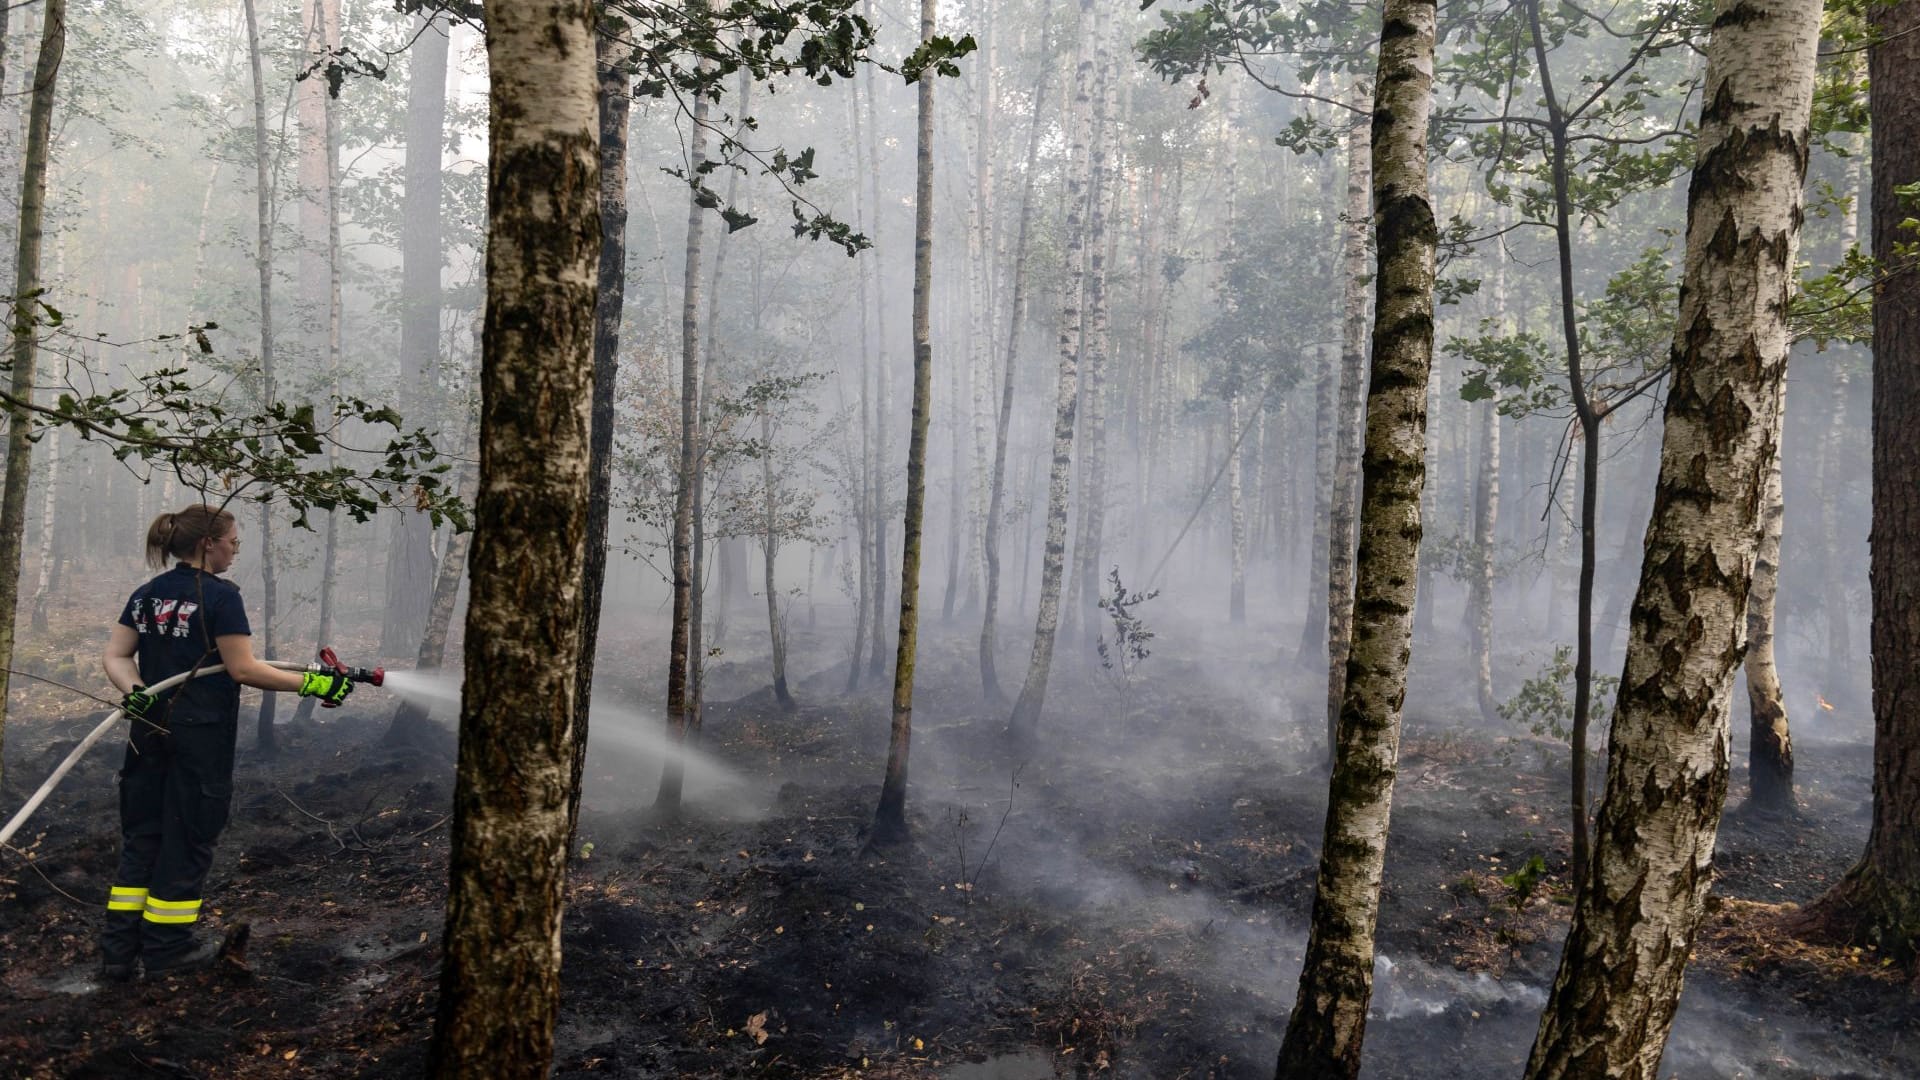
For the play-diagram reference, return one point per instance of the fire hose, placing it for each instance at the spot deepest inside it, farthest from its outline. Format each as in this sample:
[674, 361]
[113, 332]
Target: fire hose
[327, 662]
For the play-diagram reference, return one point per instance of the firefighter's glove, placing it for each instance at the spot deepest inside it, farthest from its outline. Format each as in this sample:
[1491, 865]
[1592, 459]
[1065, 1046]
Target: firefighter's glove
[331, 687]
[137, 702]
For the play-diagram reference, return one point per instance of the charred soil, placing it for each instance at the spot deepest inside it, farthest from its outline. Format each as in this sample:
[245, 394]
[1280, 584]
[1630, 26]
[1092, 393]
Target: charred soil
[1128, 901]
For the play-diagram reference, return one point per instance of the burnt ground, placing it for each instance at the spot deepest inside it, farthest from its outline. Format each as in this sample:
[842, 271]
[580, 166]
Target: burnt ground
[1130, 901]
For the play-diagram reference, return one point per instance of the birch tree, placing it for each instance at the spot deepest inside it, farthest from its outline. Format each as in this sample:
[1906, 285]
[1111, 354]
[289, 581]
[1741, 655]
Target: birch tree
[1613, 1000]
[1025, 721]
[1329, 1016]
[500, 980]
[889, 819]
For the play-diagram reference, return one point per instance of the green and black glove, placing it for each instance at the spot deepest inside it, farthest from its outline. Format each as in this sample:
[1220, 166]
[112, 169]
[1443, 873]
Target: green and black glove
[137, 702]
[331, 687]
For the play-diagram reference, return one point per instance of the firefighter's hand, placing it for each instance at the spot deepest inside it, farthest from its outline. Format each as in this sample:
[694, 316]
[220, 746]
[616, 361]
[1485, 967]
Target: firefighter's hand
[331, 687]
[137, 702]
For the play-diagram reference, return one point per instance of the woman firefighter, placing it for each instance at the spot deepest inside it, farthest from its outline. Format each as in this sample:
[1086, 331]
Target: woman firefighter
[177, 783]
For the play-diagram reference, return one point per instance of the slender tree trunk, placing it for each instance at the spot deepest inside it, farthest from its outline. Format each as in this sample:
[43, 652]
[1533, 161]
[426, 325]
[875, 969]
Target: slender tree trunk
[408, 727]
[980, 345]
[326, 23]
[1878, 903]
[49, 551]
[1619, 982]
[615, 98]
[883, 395]
[1341, 534]
[267, 743]
[1237, 518]
[1486, 517]
[1770, 755]
[889, 819]
[683, 641]
[864, 513]
[770, 551]
[1587, 424]
[1096, 337]
[26, 334]
[500, 979]
[1313, 640]
[1486, 520]
[1016, 316]
[410, 542]
[1834, 470]
[1329, 1018]
[1025, 722]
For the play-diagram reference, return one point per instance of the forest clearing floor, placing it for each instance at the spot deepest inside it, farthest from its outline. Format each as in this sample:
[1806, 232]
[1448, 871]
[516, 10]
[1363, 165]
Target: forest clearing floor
[1130, 901]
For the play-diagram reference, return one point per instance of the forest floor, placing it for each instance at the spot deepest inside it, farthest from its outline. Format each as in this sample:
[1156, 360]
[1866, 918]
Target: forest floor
[1131, 901]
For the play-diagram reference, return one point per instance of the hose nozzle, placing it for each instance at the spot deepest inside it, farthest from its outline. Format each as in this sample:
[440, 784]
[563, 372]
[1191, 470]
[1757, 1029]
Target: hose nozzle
[328, 661]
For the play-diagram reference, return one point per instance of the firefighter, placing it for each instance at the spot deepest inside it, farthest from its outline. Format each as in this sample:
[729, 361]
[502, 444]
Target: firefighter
[177, 781]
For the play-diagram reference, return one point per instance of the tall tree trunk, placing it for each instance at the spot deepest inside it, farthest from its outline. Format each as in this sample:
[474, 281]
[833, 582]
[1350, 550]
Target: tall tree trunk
[410, 541]
[1237, 520]
[864, 513]
[1329, 1018]
[770, 551]
[1878, 902]
[500, 979]
[1353, 372]
[1835, 469]
[1587, 414]
[615, 104]
[890, 818]
[49, 551]
[1025, 722]
[1613, 1001]
[1313, 639]
[26, 335]
[1486, 517]
[1486, 520]
[1016, 317]
[883, 394]
[267, 743]
[985, 296]
[1096, 337]
[326, 24]
[1770, 753]
[408, 727]
[680, 664]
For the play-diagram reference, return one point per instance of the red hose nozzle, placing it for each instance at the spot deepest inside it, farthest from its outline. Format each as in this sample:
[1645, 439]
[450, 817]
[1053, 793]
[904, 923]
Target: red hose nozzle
[329, 661]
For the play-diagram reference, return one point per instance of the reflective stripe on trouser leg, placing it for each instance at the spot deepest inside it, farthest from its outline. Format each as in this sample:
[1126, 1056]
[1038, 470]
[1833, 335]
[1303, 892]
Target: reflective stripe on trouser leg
[127, 898]
[172, 911]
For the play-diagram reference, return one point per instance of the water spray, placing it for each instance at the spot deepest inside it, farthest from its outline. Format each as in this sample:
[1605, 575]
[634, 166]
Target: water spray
[326, 661]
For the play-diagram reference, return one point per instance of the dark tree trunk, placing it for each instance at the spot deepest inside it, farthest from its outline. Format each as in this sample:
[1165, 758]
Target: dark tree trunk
[26, 268]
[616, 102]
[1878, 903]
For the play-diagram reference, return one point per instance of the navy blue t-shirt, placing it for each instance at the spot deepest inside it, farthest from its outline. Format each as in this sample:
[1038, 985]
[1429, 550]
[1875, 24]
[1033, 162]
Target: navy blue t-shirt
[180, 616]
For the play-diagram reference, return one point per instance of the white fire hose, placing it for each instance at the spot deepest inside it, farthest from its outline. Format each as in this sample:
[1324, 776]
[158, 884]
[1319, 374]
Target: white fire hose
[20, 818]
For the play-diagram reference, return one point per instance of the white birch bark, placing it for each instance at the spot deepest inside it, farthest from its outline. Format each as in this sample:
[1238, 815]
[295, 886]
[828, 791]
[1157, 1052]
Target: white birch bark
[1025, 720]
[1328, 1022]
[500, 978]
[1621, 971]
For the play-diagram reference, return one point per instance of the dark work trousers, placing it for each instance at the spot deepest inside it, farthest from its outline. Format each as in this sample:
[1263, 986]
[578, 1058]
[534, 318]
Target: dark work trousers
[175, 791]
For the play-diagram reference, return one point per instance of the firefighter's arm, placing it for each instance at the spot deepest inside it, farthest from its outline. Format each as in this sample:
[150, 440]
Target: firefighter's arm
[123, 671]
[236, 652]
